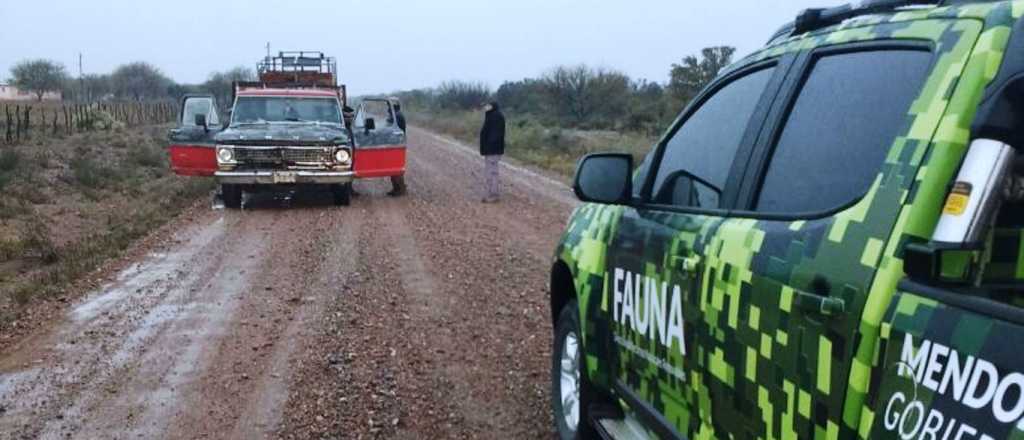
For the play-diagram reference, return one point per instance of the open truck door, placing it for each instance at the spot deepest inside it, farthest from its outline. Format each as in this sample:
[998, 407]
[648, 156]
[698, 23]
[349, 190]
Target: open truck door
[379, 143]
[193, 150]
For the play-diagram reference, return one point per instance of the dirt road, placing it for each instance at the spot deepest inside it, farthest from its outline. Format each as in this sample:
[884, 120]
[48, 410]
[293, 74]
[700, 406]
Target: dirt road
[418, 317]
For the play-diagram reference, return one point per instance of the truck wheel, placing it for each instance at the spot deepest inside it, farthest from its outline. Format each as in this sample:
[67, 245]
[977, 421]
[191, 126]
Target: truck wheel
[570, 395]
[342, 194]
[232, 195]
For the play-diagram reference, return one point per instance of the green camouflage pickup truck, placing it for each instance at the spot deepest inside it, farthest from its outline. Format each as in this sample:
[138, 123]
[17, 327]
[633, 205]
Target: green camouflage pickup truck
[826, 244]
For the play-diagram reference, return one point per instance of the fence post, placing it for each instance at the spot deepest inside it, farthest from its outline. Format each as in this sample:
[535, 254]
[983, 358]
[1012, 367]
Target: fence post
[9, 136]
[17, 127]
[28, 121]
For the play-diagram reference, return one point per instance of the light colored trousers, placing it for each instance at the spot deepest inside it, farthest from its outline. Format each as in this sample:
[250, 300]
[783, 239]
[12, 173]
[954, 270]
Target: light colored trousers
[491, 165]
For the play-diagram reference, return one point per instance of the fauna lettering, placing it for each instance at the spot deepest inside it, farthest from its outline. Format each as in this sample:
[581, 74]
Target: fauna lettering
[650, 308]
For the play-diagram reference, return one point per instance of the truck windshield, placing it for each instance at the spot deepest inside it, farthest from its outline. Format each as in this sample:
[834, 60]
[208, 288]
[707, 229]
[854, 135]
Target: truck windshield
[257, 110]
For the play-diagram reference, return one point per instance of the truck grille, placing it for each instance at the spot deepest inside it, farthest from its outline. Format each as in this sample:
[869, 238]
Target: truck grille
[282, 157]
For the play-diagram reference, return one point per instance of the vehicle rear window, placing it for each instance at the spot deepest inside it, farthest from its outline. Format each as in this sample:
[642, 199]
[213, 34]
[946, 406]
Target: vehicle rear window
[847, 115]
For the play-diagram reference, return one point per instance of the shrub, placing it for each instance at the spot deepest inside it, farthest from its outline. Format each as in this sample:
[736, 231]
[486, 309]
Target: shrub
[146, 155]
[9, 160]
[91, 174]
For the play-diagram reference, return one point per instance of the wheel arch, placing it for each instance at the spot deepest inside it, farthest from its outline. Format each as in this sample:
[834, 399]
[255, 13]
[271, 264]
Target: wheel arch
[562, 288]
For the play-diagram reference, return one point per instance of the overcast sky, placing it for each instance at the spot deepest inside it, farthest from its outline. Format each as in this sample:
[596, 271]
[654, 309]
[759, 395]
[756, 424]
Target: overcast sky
[386, 46]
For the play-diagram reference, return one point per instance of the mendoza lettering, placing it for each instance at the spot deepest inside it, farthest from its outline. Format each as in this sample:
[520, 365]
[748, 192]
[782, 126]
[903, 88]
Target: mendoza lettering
[972, 381]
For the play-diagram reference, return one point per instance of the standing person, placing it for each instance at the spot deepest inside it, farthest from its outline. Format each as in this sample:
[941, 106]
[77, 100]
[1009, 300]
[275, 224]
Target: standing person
[399, 117]
[492, 147]
[398, 187]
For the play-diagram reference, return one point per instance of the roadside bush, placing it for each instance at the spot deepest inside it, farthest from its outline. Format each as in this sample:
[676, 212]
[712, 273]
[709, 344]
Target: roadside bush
[528, 140]
[146, 155]
[37, 244]
[9, 161]
[104, 121]
[91, 174]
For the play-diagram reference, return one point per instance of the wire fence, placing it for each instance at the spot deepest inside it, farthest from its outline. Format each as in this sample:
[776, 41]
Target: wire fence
[20, 122]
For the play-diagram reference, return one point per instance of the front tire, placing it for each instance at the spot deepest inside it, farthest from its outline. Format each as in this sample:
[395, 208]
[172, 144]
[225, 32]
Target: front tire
[342, 194]
[232, 195]
[570, 395]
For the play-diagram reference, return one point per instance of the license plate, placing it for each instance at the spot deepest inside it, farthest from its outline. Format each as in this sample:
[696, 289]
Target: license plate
[284, 177]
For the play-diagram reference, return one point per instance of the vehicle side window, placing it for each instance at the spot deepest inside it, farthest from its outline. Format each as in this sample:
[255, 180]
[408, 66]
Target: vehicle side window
[380, 111]
[698, 157]
[199, 106]
[847, 115]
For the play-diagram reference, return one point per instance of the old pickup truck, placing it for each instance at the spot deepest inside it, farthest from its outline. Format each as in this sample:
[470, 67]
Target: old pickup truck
[286, 131]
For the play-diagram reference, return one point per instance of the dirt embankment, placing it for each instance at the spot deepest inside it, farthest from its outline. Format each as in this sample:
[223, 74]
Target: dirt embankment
[418, 317]
[71, 203]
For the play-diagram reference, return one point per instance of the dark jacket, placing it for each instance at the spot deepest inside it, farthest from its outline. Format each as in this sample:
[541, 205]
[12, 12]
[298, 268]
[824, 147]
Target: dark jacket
[492, 135]
[400, 120]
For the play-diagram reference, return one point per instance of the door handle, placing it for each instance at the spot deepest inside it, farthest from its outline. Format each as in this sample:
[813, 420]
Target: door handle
[688, 264]
[820, 305]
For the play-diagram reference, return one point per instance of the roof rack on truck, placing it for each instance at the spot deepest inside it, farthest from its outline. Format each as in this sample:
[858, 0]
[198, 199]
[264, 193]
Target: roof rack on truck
[296, 70]
[299, 67]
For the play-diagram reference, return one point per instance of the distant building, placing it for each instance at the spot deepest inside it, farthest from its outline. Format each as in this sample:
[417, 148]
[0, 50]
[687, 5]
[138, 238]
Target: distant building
[9, 92]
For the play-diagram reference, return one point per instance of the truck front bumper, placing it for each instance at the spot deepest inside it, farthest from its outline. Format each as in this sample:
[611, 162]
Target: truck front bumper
[284, 177]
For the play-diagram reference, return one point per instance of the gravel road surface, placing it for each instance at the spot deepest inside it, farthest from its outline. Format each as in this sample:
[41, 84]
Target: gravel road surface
[413, 318]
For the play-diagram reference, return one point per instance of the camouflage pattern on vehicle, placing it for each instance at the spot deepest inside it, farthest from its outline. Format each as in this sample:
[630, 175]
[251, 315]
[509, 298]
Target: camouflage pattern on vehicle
[750, 332]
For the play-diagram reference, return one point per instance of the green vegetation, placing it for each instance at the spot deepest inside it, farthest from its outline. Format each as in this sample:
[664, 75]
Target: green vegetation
[39, 76]
[569, 110]
[135, 81]
[9, 160]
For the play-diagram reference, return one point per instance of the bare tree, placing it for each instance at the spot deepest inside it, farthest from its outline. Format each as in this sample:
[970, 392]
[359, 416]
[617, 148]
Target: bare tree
[39, 76]
[690, 76]
[220, 83]
[95, 87]
[582, 93]
[462, 95]
[139, 81]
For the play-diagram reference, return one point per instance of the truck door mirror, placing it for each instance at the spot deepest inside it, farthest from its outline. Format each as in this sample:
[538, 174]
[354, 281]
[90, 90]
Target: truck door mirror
[683, 188]
[370, 124]
[604, 178]
[201, 121]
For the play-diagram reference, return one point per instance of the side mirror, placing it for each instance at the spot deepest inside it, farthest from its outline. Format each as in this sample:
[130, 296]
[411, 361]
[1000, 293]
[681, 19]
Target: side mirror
[227, 118]
[370, 124]
[683, 188]
[201, 121]
[604, 178]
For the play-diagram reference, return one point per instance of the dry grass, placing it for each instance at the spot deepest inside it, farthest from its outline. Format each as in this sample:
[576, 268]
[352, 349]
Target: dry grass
[71, 203]
[527, 140]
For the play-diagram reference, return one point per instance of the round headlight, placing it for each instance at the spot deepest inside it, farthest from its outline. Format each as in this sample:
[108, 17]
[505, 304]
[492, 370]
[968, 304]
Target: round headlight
[225, 154]
[342, 156]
